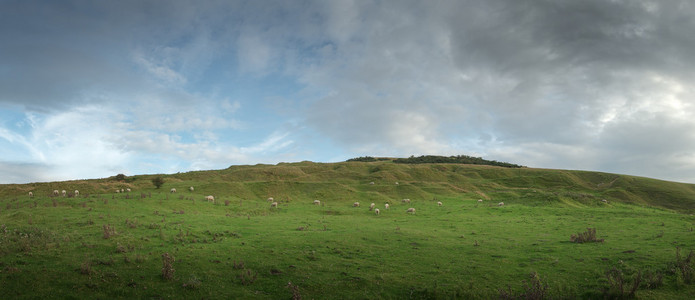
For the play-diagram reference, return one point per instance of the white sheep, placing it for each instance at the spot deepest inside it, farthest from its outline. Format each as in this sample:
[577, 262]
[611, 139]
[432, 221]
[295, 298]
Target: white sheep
[31, 194]
[376, 211]
[77, 193]
[55, 192]
[128, 190]
[371, 183]
[500, 204]
[480, 200]
[64, 192]
[396, 182]
[191, 189]
[118, 191]
[122, 190]
[356, 204]
[604, 201]
[317, 202]
[270, 199]
[406, 200]
[410, 210]
[173, 190]
[371, 206]
[210, 198]
[439, 203]
[274, 204]
[386, 206]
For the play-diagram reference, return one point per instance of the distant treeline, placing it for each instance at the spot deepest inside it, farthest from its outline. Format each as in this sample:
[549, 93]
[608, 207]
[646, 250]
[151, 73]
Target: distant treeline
[459, 159]
[435, 159]
[368, 159]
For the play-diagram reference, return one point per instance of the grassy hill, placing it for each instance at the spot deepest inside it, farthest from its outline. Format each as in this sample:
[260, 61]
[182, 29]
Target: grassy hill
[103, 244]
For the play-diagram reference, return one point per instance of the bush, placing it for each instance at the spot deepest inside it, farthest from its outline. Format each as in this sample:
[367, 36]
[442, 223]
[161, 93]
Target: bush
[584, 237]
[158, 182]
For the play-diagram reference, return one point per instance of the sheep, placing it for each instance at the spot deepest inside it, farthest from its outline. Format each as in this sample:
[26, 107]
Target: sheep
[356, 204]
[604, 201]
[371, 183]
[274, 204]
[128, 190]
[122, 190]
[371, 206]
[118, 191]
[396, 182]
[210, 198]
[317, 202]
[480, 200]
[31, 194]
[410, 210]
[191, 189]
[55, 192]
[406, 201]
[376, 211]
[77, 193]
[64, 192]
[500, 204]
[173, 190]
[270, 199]
[386, 206]
[439, 203]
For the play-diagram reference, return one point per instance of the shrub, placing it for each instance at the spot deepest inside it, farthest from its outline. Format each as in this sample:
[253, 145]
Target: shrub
[158, 182]
[167, 266]
[584, 237]
[684, 266]
[532, 290]
[618, 284]
[109, 231]
[248, 276]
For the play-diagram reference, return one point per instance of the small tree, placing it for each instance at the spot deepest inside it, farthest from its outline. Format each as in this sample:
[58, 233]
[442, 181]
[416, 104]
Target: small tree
[120, 177]
[157, 181]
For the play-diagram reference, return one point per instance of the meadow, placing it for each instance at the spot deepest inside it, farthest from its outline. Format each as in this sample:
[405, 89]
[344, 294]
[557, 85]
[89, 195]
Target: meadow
[151, 243]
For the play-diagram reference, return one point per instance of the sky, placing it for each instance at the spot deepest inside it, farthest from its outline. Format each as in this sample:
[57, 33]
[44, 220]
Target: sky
[91, 89]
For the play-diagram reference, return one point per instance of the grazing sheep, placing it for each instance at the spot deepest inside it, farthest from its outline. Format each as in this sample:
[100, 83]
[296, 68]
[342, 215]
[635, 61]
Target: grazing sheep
[356, 204]
[439, 203]
[480, 200]
[386, 206]
[406, 200]
[317, 202]
[31, 194]
[77, 193]
[396, 182]
[371, 183]
[500, 204]
[371, 206]
[376, 211]
[410, 210]
[128, 190]
[210, 198]
[64, 192]
[118, 191]
[274, 204]
[604, 200]
[55, 192]
[122, 190]
[270, 199]
[191, 189]
[173, 190]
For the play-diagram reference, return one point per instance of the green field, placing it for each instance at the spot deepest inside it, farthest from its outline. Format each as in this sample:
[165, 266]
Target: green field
[101, 244]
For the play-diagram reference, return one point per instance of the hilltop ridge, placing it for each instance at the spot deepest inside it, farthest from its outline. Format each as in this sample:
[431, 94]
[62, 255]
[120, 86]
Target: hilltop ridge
[385, 179]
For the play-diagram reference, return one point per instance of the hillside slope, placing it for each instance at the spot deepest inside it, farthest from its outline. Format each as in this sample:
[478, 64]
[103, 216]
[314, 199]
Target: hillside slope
[353, 180]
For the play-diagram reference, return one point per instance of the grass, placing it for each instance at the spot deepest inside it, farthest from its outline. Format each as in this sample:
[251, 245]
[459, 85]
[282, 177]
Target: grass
[162, 245]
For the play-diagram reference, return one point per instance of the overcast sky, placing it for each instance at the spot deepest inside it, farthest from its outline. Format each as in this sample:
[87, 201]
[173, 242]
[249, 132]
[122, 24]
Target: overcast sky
[91, 89]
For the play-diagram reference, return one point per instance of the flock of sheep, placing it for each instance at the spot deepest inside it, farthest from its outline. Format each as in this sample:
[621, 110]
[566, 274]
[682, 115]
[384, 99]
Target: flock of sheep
[273, 203]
